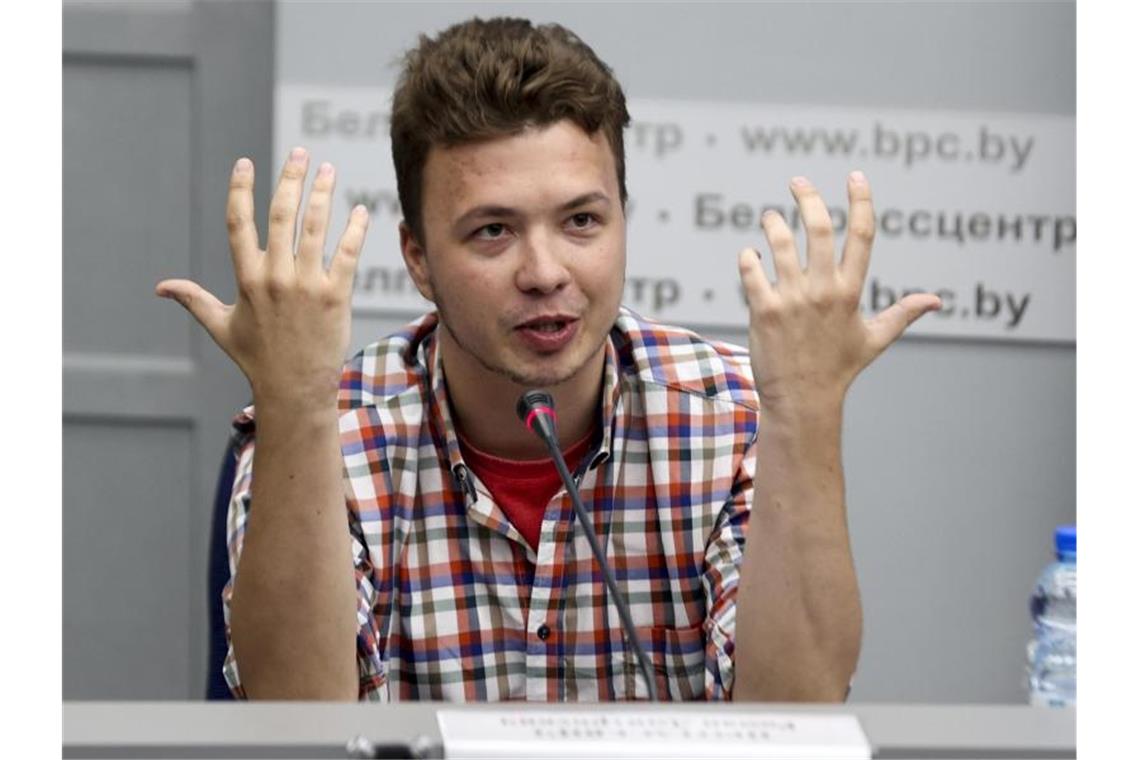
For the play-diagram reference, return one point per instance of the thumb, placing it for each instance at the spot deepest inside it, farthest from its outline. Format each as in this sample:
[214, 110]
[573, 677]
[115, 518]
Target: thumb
[889, 324]
[201, 303]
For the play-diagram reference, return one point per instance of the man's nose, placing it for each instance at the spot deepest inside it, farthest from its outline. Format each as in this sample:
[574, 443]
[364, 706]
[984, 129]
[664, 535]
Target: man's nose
[541, 268]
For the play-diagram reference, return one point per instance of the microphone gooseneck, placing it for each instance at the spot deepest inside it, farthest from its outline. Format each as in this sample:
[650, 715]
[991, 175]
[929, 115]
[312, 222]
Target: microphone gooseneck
[536, 409]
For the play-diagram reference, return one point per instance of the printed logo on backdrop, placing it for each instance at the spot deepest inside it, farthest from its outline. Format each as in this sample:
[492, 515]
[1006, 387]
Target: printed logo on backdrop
[978, 208]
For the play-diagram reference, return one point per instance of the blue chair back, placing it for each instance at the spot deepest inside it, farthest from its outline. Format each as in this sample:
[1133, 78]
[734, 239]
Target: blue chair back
[219, 575]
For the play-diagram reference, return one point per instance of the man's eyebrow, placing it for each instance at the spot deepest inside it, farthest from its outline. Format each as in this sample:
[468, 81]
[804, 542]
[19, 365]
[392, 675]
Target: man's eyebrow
[507, 211]
[485, 210]
[584, 199]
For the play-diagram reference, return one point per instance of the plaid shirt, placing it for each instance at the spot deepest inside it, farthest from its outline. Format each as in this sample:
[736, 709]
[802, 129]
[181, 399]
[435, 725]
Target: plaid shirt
[452, 602]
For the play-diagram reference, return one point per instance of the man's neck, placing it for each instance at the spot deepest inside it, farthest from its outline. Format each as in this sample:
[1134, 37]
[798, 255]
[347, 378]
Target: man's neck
[483, 404]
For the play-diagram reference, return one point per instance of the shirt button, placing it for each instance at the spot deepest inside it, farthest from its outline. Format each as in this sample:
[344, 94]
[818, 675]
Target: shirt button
[543, 632]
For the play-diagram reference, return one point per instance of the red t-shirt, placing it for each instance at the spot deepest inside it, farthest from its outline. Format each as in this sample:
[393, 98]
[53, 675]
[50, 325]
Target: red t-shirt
[523, 489]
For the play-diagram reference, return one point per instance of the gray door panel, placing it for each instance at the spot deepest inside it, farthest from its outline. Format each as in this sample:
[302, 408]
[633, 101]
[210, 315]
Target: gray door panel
[159, 100]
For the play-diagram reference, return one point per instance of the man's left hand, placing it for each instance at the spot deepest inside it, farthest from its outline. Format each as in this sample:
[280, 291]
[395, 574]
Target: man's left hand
[807, 337]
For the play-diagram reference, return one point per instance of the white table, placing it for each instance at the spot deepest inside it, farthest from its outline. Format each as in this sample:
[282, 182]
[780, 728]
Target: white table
[318, 730]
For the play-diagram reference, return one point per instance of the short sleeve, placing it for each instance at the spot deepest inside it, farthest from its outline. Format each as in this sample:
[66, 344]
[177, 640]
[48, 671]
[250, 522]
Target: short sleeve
[373, 681]
[723, 555]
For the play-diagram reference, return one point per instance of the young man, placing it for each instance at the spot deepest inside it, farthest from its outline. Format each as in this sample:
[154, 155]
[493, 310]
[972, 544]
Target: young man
[457, 570]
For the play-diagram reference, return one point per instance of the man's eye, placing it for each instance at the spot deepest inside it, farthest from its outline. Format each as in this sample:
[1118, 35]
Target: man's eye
[491, 231]
[582, 221]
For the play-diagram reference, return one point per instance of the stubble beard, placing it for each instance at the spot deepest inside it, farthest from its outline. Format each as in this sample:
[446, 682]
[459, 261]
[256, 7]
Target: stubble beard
[518, 378]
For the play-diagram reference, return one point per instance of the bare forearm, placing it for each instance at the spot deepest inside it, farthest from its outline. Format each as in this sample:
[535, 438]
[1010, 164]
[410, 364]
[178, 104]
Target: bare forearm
[799, 618]
[293, 613]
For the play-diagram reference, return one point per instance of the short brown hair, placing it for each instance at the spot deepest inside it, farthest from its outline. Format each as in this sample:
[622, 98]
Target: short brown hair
[482, 79]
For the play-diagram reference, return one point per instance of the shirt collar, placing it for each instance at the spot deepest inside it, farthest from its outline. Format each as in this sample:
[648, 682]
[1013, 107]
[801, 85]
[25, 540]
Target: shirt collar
[439, 410]
[443, 427]
[611, 403]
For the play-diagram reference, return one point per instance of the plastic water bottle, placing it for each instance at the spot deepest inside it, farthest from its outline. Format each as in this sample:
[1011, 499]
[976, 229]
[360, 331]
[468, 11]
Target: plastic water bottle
[1052, 653]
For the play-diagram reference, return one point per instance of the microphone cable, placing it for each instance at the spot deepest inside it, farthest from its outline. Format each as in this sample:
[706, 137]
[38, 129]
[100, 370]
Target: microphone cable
[536, 409]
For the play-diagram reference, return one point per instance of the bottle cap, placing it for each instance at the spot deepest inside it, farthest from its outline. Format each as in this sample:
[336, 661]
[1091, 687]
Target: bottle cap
[1065, 539]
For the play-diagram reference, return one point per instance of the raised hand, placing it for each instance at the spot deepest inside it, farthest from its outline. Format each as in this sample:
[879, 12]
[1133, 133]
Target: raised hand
[807, 338]
[289, 329]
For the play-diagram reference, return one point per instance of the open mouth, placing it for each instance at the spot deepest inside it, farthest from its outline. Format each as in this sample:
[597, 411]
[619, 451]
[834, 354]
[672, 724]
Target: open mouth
[547, 327]
[548, 334]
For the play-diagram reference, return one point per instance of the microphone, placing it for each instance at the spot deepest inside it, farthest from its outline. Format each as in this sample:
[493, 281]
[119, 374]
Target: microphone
[536, 409]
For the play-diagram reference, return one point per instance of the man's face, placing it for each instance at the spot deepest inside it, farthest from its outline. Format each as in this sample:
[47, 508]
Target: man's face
[523, 252]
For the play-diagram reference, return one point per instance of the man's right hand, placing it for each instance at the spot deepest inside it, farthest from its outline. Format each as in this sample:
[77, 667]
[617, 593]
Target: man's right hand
[289, 330]
[293, 623]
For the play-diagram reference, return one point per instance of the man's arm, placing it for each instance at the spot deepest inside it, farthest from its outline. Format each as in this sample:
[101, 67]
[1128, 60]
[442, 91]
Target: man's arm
[799, 619]
[293, 610]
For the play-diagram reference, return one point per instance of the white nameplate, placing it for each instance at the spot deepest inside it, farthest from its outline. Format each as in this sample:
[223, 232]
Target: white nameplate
[649, 734]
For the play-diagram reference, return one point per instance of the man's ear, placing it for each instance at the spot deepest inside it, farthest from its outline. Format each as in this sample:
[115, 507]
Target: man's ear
[415, 259]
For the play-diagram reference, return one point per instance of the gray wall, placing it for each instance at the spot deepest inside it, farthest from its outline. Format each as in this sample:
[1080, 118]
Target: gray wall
[159, 99]
[960, 456]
